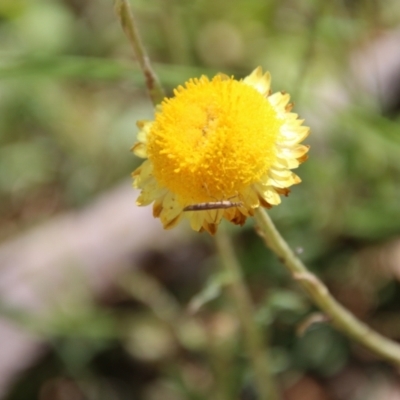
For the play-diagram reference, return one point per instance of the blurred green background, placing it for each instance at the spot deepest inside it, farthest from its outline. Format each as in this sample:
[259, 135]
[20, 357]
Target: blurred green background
[70, 95]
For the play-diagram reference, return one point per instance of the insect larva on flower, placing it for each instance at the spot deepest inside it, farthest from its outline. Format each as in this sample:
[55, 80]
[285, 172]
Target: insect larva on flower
[214, 205]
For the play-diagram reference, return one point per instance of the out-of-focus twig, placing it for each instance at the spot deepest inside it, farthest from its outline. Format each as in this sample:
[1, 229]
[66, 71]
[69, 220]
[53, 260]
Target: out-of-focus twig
[258, 352]
[147, 290]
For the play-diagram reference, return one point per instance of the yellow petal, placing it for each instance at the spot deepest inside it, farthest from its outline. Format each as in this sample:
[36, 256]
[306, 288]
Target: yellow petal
[261, 82]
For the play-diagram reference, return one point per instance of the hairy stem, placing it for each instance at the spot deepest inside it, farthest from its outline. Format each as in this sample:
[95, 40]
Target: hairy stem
[124, 13]
[340, 317]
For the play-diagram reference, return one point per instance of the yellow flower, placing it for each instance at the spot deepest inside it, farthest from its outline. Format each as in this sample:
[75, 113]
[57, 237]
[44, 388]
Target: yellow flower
[219, 149]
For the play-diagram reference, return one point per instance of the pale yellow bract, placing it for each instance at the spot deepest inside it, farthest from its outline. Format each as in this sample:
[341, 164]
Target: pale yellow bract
[217, 140]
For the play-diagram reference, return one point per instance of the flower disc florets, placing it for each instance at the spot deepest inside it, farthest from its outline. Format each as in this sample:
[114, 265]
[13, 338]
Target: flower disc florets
[219, 140]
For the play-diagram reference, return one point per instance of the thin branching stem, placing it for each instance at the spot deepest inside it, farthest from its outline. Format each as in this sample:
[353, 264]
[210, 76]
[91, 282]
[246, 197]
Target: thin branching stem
[340, 317]
[255, 343]
[124, 13]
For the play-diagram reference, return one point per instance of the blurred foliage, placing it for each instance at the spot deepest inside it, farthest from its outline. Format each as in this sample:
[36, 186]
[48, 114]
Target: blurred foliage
[70, 95]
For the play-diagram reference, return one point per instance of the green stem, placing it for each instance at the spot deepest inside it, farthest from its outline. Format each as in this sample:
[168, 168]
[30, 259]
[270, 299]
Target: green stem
[258, 353]
[344, 320]
[124, 13]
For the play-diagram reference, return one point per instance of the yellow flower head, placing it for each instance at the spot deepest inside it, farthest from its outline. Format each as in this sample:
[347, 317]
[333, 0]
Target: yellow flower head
[219, 149]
